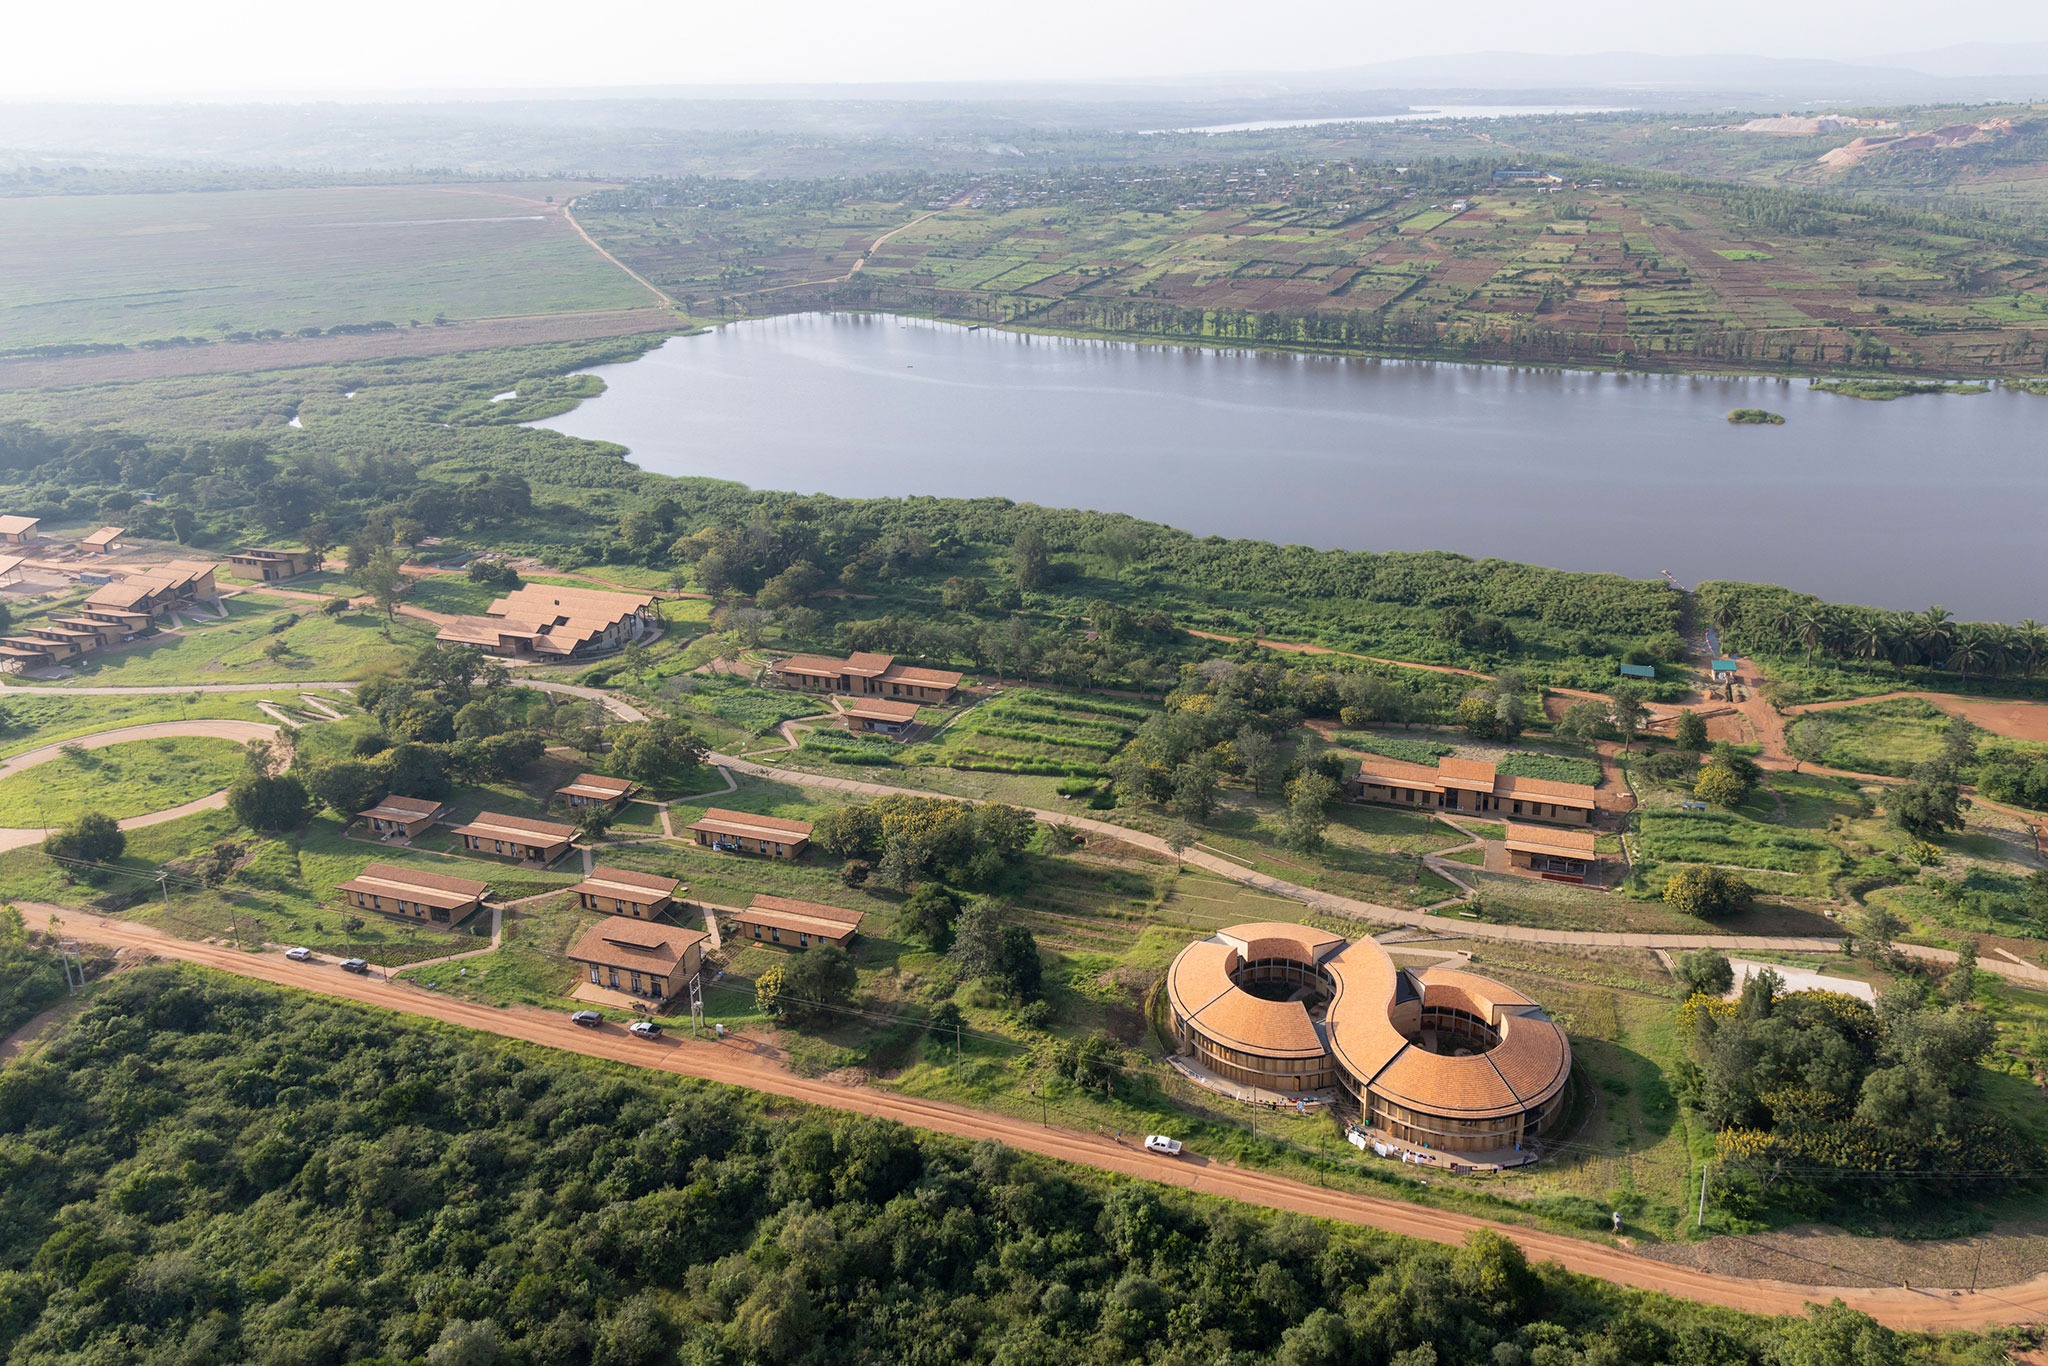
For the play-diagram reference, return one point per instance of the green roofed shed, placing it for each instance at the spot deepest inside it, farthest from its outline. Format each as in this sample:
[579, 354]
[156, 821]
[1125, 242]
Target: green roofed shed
[1638, 671]
[1724, 666]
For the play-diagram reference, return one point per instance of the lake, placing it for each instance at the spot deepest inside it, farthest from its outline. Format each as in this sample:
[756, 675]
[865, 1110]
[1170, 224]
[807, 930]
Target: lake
[1414, 113]
[1932, 499]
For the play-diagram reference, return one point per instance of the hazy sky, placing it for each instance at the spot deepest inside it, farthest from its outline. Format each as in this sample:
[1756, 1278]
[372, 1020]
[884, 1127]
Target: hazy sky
[141, 48]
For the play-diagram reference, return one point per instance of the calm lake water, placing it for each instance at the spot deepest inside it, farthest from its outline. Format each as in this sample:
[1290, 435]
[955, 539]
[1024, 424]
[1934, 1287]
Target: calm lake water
[1934, 499]
[1417, 112]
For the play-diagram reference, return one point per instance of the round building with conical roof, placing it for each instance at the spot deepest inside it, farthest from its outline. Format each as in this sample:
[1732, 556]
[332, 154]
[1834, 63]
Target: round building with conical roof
[1440, 1058]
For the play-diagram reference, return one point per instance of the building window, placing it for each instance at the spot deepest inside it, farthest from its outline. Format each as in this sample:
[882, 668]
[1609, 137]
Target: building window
[593, 975]
[615, 975]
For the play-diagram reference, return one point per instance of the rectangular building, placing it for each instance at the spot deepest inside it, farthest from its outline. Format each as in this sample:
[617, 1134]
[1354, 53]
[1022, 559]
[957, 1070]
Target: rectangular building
[655, 961]
[620, 891]
[866, 675]
[1556, 855]
[879, 716]
[594, 789]
[102, 541]
[271, 563]
[794, 924]
[516, 837]
[436, 898]
[549, 622]
[402, 818]
[1470, 787]
[741, 832]
[19, 530]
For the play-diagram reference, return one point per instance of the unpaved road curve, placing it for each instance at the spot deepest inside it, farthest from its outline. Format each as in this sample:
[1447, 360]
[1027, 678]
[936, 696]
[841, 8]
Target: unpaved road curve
[734, 1064]
[16, 837]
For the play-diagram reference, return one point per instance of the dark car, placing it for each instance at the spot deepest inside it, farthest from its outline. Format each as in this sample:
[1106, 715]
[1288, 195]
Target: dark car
[589, 1019]
[355, 965]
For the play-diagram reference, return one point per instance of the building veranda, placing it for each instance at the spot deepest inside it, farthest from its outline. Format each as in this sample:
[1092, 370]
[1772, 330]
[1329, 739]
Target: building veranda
[1441, 1058]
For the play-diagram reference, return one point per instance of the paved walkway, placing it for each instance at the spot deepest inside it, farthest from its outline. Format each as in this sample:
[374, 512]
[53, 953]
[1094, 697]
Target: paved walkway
[18, 837]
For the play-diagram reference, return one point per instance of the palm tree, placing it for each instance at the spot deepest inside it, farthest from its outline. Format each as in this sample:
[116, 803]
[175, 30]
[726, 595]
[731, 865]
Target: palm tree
[1870, 639]
[1971, 652]
[1935, 634]
[1813, 629]
[2031, 645]
[1785, 621]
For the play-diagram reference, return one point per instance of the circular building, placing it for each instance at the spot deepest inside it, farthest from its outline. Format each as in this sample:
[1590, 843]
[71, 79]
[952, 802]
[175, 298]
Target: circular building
[1438, 1058]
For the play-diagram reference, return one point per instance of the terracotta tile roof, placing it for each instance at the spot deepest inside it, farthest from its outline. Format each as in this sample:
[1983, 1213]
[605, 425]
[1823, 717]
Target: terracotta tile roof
[597, 785]
[863, 664]
[415, 884]
[1549, 790]
[106, 535]
[1299, 942]
[881, 709]
[491, 825]
[403, 809]
[1202, 993]
[719, 821]
[1540, 839]
[15, 526]
[808, 664]
[620, 941]
[923, 678]
[1398, 773]
[801, 917]
[10, 563]
[129, 596]
[1469, 775]
[625, 884]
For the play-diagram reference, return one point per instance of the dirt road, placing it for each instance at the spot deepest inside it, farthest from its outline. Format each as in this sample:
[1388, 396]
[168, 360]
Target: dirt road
[1295, 647]
[17, 837]
[735, 1062]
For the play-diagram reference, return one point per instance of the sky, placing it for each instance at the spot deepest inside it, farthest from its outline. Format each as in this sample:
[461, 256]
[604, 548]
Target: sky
[237, 48]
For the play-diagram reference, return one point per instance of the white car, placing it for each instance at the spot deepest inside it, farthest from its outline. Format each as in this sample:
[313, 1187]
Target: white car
[1160, 1143]
[299, 955]
[646, 1029]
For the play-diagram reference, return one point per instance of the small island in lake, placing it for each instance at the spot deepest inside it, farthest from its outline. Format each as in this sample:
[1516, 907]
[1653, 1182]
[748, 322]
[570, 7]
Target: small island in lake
[1755, 417]
[1885, 390]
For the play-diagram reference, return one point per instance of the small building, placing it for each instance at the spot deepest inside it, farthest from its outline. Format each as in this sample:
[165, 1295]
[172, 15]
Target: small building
[19, 530]
[10, 568]
[742, 832]
[1470, 787]
[271, 563]
[620, 891]
[516, 837]
[866, 675]
[545, 621]
[879, 716]
[402, 818]
[795, 924]
[1638, 670]
[437, 898]
[1724, 670]
[654, 961]
[101, 542]
[1556, 855]
[594, 789]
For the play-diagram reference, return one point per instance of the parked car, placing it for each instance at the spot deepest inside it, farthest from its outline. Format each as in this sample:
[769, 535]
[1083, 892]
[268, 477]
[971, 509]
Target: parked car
[360, 965]
[299, 955]
[646, 1029]
[1160, 1143]
[589, 1019]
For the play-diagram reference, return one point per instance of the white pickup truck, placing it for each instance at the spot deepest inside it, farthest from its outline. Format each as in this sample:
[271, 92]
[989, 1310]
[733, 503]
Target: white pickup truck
[1160, 1143]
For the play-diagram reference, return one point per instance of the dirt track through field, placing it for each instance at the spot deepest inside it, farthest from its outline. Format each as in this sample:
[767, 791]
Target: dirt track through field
[737, 1062]
[2016, 720]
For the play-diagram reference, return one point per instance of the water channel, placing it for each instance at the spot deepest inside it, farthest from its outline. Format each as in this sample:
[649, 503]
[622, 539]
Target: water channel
[1931, 499]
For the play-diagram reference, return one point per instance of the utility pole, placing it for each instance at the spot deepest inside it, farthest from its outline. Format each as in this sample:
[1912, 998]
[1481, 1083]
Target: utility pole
[696, 1004]
[74, 966]
[1701, 1219]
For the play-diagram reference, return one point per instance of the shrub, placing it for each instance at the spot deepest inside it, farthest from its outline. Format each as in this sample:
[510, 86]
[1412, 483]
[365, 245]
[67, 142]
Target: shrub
[1707, 892]
[1705, 972]
[93, 838]
[1720, 784]
[270, 803]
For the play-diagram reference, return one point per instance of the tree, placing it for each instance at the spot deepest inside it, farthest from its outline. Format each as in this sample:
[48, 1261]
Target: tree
[1928, 805]
[1582, 723]
[929, 914]
[1690, 733]
[1960, 986]
[593, 823]
[1879, 927]
[270, 803]
[318, 538]
[1626, 711]
[345, 786]
[1478, 712]
[1030, 561]
[1259, 756]
[657, 751]
[1707, 892]
[1017, 970]
[1308, 812]
[382, 576]
[1178, 837]
[1194, 789]
[815, 984]
[1005, 956]
[1959, 744]
[1720, 784]
[93, 837]
[1807, 738]
[1705, 972]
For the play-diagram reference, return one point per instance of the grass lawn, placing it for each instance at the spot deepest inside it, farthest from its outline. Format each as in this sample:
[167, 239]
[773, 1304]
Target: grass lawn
[1883, 737]
[232, 651]
[122, 780]
[37, 720]
[454, 594]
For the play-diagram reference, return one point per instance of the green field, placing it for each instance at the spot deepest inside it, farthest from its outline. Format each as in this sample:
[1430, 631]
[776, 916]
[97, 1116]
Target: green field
[319, 648]
[35, 720]
[145, 268]
[129, 779]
